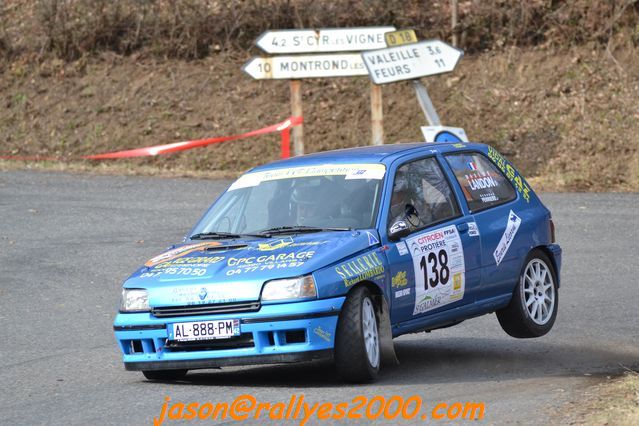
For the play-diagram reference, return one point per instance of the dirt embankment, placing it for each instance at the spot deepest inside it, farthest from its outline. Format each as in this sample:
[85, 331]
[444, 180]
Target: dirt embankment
[569, 119]
[614, 401]
[87, 76]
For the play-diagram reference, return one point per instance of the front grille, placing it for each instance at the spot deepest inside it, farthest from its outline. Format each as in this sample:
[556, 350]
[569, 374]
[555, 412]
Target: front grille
[218, 308]
[242, 341]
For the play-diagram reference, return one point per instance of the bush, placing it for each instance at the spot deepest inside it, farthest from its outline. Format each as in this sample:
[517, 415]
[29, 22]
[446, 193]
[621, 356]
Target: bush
[192, 29]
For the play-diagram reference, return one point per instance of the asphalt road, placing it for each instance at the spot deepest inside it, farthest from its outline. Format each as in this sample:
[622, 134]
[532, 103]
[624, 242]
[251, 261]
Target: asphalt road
[67, 241]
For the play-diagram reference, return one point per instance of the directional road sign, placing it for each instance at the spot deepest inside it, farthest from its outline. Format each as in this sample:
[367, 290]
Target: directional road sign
[411, 61]
[306, 66]
[323, 40]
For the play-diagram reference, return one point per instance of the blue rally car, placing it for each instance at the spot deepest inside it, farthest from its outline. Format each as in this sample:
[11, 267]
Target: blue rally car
[334, 254]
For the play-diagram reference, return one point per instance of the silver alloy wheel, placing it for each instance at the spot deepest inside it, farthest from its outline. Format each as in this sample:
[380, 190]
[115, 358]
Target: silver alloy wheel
[369, 327]
[538, 291]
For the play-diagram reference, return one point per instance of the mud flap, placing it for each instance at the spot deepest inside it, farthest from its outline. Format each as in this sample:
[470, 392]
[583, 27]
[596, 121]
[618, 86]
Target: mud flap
[386, 345]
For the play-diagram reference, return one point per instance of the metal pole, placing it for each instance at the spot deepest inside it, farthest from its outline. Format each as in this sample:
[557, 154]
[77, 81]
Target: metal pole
[453, 21]
[377, 115]
[296, 110]
[426, 103]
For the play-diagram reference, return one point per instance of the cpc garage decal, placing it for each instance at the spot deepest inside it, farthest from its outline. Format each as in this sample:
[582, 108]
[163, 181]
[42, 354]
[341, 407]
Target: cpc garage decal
[438, 260]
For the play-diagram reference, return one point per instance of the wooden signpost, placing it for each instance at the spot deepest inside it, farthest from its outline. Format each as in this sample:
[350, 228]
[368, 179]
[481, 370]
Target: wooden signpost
[317, 62]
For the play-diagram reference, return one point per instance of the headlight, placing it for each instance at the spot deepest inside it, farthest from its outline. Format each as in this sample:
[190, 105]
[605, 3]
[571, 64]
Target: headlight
[134, 300]
[290, 288]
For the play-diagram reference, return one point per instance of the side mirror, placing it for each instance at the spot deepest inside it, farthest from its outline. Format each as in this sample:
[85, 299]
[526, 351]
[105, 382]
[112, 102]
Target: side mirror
[398, 230]
[412, 215]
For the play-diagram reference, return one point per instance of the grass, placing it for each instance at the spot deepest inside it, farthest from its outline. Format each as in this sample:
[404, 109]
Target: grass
[614, 402]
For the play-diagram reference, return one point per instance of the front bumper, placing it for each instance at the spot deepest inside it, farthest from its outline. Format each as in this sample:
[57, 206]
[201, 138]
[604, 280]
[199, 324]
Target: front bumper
[265, 337]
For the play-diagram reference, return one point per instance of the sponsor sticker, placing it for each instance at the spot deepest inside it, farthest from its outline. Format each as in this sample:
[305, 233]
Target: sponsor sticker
[266, 262]
[488, 197]
[286, 243]
[180, 252]
[399, 280]
[198, 295]
[361, 268]
[365, 173]
[404, 292]
[457, 281]
[201, 261]
[510, 172]
[473, 230]
[323, 334]
[372, 239]
[438, 262]
[401, 248]
[507, 238]
[480, 180]
[275, 245]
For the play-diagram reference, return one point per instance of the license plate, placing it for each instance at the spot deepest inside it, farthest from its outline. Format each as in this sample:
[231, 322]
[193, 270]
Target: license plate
[204, 330]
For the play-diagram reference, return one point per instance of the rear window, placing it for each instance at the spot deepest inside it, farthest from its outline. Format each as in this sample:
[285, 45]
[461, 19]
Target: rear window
[483, 184]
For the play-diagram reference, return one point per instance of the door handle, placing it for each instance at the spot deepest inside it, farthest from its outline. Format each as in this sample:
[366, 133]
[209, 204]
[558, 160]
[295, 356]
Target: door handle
[462, 227]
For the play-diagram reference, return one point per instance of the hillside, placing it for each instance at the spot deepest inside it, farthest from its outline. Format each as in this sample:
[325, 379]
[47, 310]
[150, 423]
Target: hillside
[565, 114]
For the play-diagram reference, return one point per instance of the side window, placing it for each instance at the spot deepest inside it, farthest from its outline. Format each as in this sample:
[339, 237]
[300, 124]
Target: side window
[483, 185]
[421, 196]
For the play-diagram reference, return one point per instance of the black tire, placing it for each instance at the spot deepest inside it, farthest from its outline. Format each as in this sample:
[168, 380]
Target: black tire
[351, 358]
[164, 375]
[515, 319]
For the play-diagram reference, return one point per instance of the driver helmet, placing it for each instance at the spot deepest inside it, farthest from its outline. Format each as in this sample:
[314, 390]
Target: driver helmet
[304, 194]
[401, 182]
[305, 198]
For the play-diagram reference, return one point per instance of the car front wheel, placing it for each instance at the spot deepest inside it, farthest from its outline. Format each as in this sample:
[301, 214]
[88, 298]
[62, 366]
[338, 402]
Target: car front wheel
[357, 349]
[533, 308]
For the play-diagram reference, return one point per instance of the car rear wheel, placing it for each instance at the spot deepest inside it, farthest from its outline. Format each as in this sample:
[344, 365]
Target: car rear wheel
[357, 349]
[533, 308]
[164, 374]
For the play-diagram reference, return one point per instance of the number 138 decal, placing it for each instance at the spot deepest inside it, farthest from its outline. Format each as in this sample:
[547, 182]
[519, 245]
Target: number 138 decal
[434, 272]
[438, 260]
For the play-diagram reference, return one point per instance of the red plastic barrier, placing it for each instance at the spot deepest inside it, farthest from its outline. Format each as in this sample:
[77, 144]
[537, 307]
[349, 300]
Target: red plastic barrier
[283, 127]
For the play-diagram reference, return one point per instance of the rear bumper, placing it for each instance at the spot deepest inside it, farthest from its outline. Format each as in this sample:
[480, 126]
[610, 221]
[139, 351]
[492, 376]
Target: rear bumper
[143, 339]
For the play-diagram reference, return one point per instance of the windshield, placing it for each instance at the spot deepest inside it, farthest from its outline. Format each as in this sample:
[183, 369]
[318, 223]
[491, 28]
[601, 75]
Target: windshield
[343, 196]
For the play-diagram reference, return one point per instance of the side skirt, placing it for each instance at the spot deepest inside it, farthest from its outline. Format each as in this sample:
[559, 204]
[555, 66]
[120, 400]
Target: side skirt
[446, 318]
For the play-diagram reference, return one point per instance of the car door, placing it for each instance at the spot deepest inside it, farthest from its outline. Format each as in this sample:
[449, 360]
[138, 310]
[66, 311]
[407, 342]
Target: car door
[491, 199]
[435, 263]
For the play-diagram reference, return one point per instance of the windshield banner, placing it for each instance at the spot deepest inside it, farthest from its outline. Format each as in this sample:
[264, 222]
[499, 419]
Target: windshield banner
[351, 171]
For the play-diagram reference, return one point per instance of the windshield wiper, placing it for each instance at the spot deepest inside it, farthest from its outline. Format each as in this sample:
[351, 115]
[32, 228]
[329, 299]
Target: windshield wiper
[213, 235]
[297, 229]
[220, 235]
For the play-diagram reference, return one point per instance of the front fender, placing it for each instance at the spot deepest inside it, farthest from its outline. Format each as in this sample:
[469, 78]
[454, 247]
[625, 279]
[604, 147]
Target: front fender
[336, 280]
[370, 266]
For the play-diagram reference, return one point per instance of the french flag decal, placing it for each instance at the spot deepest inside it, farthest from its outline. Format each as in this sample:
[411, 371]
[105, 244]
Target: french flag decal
[471, 165]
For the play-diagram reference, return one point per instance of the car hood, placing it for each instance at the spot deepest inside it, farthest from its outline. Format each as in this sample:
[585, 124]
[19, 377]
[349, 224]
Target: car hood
[230, 271]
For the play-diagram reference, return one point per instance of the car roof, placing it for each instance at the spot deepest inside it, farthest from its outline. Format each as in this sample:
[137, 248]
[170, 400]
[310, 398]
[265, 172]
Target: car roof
[384, 154]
